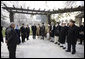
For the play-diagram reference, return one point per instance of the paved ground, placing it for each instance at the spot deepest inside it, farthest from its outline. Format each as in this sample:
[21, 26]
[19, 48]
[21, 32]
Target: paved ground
[41, 49]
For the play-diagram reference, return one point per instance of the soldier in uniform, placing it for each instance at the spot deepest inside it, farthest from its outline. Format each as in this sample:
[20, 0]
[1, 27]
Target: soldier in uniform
[38, 30]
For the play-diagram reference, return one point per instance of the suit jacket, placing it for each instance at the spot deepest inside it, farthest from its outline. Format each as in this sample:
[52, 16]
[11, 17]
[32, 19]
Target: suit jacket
[12, 37]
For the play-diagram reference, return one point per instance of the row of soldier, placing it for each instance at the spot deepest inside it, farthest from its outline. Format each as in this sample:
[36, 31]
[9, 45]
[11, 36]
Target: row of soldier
[59, 34]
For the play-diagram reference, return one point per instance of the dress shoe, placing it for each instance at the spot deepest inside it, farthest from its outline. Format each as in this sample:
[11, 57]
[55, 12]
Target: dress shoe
[58, 43]
[61, 46]
[68, 51]
[64, 47]
[80, 43]
[73, 52]
[55, 43]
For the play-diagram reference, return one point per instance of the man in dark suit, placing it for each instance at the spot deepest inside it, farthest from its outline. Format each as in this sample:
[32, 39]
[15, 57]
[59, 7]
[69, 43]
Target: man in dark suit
[34, 31]
[23, 33]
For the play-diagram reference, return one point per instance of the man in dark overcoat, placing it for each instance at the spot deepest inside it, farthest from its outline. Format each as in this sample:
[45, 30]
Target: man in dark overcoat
[12, 40]
[72, 37]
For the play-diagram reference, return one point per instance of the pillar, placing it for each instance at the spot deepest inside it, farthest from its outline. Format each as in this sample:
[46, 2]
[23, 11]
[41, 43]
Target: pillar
[49, 19]
[11, 15]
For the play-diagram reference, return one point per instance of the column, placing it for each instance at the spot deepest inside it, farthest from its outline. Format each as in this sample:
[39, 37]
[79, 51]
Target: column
[11, 15]
[49, 18]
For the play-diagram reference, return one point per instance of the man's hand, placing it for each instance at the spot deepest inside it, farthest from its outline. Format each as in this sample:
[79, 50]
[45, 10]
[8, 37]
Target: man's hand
[50, 31]
[82, 33]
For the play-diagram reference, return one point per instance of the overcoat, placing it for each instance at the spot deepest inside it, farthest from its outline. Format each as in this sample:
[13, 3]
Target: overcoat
[73, 34]
[62, 34]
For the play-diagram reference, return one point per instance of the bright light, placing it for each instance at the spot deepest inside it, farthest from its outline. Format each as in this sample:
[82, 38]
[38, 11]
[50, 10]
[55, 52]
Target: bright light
[82, 19]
